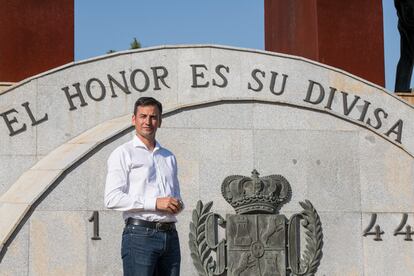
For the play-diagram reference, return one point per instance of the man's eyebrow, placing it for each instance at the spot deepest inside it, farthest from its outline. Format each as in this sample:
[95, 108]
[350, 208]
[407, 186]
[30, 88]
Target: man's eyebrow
[148, 114]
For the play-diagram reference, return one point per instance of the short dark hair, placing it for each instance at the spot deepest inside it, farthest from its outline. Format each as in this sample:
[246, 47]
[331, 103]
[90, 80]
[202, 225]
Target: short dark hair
[145, 101]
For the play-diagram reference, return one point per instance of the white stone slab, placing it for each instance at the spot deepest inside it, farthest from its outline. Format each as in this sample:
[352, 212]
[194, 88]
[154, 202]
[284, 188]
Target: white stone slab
[104, 256]
[10, 216]
[183, 225]
[30, 186]
[65, 125]
[387, 176]
[12, 168]
[391, 256]
[63, 156]
[16, 262]
[103, 131]
[58, 243]
[342, 248]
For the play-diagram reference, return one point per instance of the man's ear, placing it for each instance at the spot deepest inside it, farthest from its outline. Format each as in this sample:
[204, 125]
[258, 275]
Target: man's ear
[133, 119]
[159, 122]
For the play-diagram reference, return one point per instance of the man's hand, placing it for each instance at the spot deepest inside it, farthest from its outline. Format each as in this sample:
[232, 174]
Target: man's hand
[168, 204]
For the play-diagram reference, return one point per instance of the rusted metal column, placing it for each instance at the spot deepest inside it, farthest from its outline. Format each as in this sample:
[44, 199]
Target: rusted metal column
[35, 36]
[344, 34]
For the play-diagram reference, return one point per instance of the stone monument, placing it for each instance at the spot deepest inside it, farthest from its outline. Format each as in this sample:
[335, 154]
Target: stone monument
[343, 143]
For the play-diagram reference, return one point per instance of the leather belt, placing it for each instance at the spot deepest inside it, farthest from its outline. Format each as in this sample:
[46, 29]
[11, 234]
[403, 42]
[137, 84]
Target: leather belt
[160, 226]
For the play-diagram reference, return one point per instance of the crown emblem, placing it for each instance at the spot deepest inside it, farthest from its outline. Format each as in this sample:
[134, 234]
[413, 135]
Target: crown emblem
[256, 194]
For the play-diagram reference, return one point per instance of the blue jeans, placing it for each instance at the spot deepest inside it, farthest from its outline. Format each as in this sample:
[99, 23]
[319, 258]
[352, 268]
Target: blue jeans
[149, 252]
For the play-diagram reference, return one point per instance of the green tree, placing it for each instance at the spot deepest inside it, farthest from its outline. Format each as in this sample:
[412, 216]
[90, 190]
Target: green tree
[135, 44]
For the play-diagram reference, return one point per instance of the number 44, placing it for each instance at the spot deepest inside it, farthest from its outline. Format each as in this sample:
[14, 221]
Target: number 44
[377, 232]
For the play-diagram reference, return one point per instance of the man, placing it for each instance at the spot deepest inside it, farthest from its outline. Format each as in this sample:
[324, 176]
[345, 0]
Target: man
[405, 12]
[142, 182]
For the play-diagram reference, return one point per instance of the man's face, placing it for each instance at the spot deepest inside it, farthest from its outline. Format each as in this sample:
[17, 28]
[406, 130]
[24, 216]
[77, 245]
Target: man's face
[146, 121]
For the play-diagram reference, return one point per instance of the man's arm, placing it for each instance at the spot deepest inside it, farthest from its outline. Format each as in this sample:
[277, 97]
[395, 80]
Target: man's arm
[177, 191]
[174, 204]
[116, 184]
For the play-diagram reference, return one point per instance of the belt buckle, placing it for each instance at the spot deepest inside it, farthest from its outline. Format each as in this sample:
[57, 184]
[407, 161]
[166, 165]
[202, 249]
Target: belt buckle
[158, 226]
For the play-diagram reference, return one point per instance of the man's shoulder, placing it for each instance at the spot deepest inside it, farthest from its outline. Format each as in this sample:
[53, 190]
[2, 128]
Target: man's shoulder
[166, 152]
[123, 149]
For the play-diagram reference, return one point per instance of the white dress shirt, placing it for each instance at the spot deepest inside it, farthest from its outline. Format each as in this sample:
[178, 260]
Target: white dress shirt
[137, 177]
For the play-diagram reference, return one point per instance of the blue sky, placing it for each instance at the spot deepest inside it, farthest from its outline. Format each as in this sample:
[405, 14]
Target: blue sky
[102, 25]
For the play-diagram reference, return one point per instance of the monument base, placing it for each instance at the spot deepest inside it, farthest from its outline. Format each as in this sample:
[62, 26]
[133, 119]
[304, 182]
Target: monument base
[408, 96]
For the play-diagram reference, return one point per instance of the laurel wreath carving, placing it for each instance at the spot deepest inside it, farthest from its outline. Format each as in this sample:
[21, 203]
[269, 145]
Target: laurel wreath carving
[206, 265]
[200, 252]
[314, 240]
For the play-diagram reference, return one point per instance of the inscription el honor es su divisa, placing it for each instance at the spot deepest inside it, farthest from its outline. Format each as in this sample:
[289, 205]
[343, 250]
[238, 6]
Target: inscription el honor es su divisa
[79, 94]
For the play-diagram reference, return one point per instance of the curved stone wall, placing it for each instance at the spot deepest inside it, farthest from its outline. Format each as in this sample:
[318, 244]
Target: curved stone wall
[341, 142]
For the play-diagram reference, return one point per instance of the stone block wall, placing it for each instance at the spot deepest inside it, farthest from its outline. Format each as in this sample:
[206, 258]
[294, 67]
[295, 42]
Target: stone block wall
[54, 172]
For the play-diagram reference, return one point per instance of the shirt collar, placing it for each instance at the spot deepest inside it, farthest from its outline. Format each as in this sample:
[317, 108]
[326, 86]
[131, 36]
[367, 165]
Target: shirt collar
[139, 144]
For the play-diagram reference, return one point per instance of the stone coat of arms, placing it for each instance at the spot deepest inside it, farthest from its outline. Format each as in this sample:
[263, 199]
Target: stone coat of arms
[259, 241]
